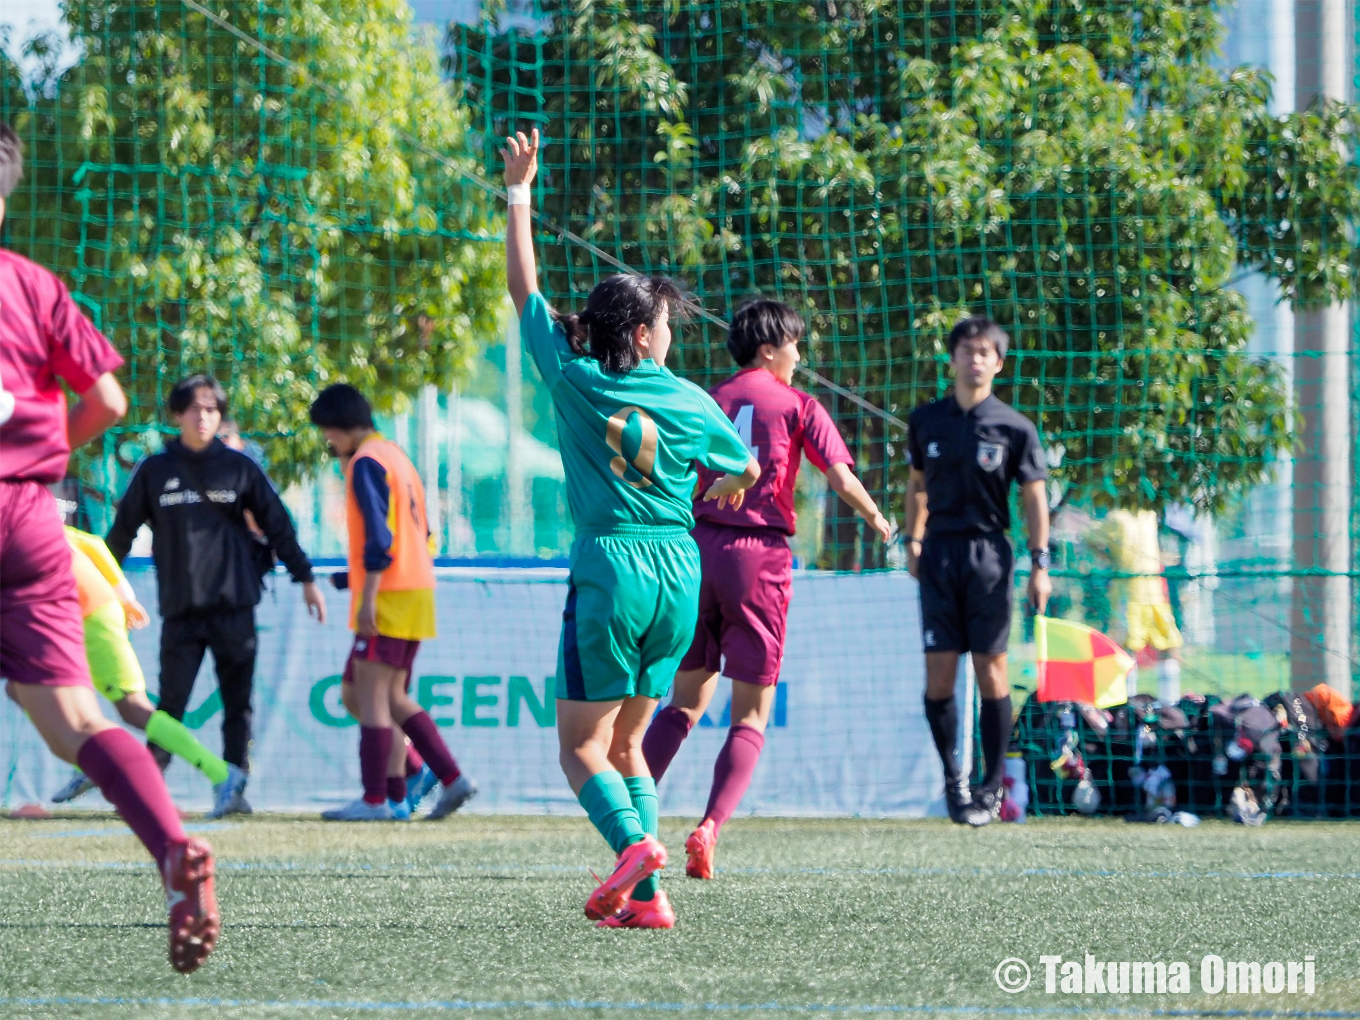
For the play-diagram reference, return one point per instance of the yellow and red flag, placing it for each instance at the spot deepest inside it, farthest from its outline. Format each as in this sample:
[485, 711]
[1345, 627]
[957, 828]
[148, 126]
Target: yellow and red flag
[1076, 663]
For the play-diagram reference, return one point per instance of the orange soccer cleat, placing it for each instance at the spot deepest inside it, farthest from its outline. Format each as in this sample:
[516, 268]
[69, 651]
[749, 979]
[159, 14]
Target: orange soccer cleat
[653, 913]
[194, 922]
[635, 863]
[700, 847]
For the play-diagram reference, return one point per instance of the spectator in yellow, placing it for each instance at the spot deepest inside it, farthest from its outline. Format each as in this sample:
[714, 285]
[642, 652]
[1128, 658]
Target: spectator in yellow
[109, 608]
[1129, 540]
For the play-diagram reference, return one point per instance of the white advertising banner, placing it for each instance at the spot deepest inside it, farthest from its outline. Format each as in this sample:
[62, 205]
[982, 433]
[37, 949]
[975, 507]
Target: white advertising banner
[847, 736]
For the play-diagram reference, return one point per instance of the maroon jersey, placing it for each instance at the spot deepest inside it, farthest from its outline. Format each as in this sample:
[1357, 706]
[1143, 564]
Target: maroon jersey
[777, 423]
[44, 337]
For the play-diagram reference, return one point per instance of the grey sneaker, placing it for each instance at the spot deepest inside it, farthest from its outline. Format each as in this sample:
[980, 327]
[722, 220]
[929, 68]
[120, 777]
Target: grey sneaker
[360, 811]
[228, 795]
[453, 796]
[80, 783]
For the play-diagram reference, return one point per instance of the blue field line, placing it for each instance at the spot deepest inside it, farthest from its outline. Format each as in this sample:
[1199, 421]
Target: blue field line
[501, 869]
[493, 1005]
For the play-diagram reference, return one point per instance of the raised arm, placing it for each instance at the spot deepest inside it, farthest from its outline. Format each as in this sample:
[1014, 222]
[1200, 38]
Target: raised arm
[844, 484]
[521, 164]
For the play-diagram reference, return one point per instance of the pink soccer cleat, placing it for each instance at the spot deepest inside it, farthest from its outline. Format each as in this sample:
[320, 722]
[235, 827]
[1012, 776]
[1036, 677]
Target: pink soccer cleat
[653, 913]
[700, 847]
[194, 921]
[635, 863]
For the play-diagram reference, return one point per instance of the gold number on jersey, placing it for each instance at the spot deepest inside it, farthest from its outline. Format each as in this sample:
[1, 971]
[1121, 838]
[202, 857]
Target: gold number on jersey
[646, 455]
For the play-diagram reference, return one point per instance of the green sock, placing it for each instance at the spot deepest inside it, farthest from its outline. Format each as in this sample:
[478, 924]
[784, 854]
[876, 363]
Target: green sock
[606, 800]
[171, 734]
[643, 791]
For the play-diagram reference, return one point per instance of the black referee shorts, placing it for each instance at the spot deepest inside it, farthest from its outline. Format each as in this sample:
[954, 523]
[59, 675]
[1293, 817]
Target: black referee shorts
[966, 585]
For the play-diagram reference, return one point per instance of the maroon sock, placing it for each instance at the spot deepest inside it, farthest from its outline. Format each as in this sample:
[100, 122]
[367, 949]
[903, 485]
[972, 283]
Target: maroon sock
[127, 776]
[396, 788]
[414, 762]
[375, 748]
[663, 738]
[732, 772]
[425, 736]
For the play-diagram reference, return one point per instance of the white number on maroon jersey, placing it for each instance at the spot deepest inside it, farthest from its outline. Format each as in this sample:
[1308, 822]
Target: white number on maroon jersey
[743, 423]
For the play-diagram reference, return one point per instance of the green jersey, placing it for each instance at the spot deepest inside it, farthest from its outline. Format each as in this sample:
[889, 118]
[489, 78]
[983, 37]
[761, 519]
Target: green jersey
[630, 441]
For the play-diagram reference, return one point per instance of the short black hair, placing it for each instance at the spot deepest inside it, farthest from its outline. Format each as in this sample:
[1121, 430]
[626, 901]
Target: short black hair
[762, 321]
[341, 406]
[183, 394]
[11, 160]
[979, 325]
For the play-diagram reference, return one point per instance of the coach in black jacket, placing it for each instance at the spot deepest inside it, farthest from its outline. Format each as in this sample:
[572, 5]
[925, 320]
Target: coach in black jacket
[193, 495]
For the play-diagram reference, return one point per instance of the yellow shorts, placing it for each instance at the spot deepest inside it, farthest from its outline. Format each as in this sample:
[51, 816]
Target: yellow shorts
[114, 668]
[1152, 623]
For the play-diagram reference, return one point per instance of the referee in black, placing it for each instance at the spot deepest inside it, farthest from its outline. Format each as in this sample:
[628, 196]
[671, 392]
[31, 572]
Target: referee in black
[965, 451]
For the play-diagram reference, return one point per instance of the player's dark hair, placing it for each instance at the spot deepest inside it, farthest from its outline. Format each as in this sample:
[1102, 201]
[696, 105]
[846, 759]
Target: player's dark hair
[183, 394]
[762, 321]
[341, 406]
[979, 325]
[616, 307]
[11, 160]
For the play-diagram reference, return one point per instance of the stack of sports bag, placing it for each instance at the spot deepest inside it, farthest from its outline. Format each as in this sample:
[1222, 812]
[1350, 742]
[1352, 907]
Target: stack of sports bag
[1289, 755]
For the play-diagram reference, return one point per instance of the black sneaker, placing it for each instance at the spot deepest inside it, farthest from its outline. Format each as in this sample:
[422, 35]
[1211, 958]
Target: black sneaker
[986, 808]
[958, 798]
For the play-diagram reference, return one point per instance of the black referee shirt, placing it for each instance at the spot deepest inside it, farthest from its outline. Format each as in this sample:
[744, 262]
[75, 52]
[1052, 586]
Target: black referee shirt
[970, 459]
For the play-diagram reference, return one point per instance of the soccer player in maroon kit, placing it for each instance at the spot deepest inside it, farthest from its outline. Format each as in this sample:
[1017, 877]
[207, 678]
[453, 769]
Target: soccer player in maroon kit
[747, 563]
[44, 338]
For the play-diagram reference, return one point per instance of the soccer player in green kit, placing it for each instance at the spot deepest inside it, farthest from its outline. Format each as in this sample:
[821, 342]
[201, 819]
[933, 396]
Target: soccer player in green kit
[631, 434]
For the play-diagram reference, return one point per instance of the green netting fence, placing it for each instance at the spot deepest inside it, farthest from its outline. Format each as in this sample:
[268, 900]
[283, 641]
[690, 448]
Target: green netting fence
[288, 193]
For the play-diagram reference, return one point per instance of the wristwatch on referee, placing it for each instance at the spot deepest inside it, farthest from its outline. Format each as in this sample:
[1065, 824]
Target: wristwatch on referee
[1041, 558]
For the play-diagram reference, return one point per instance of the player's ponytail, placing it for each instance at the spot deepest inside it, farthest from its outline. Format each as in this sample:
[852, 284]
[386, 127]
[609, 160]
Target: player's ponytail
[614, 310]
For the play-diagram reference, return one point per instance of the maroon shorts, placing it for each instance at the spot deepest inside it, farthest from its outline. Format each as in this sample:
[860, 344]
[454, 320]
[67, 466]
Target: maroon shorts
[42, 635]
[743, 602]
[399, 653]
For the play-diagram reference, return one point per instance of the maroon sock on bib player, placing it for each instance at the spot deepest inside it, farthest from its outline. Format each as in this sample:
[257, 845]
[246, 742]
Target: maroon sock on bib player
[746, 561]
[45, 339]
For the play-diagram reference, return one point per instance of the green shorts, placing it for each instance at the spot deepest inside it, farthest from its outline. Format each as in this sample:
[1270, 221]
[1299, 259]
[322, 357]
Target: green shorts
[114, 668]
[632, 603]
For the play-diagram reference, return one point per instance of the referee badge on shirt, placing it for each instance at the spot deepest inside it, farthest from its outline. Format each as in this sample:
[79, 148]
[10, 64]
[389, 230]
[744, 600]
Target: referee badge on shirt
[990, 456]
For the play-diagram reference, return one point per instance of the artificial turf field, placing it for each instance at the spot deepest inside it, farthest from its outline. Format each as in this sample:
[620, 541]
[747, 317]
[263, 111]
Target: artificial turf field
[483, 915]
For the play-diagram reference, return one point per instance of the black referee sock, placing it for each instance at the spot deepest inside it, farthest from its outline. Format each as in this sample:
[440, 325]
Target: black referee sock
[944, 727]
[996, 733]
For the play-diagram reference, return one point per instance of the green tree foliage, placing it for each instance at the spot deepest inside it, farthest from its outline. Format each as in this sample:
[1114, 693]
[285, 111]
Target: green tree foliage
[283, 224]
[1081, 172]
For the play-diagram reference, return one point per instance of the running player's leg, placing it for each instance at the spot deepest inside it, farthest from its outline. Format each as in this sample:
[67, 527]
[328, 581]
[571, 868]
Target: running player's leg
[612, 600]
[184, 642]
[752, 589]
[416, 723]
[945, 637]
[372, 682]
[396, 771]
[696, 680]
[117, 675]
[989, 597]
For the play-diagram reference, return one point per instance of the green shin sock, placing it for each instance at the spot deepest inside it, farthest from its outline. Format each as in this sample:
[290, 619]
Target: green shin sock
[170, 734]
[643, 791]
[606, 800]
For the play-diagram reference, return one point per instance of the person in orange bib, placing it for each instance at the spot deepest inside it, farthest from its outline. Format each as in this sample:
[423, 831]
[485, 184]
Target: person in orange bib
[392, 609]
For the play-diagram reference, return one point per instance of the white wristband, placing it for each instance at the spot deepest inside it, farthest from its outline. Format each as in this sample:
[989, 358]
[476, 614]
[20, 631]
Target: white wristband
[517, 194]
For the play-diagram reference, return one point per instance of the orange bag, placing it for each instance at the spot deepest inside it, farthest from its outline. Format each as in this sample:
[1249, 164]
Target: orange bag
[1333, 708]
